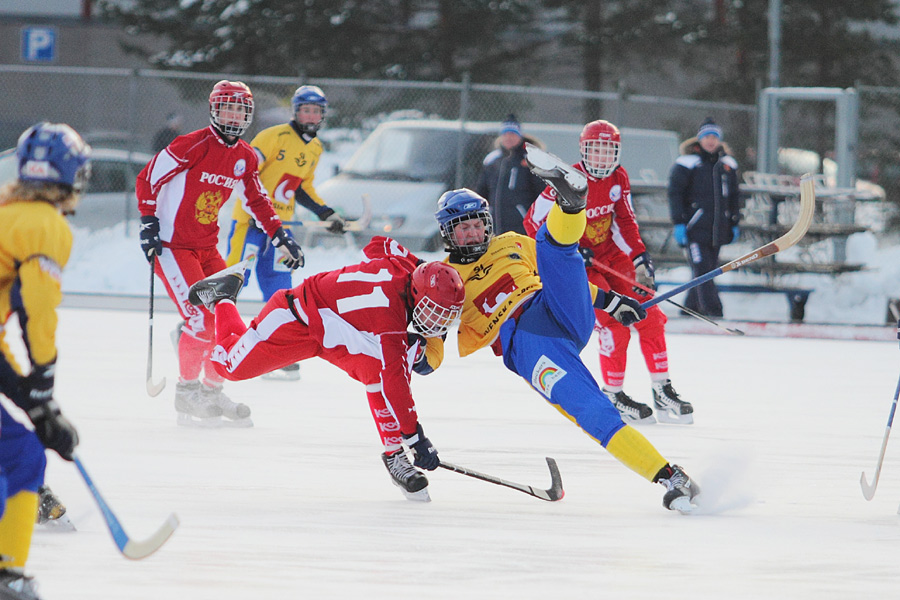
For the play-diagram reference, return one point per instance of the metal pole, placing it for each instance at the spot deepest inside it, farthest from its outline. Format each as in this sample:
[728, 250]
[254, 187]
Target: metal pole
[774, 43]
[463, 116]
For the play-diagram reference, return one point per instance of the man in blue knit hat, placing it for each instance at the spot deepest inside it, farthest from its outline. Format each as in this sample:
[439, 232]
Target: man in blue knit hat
[704, 203]
[507, 183]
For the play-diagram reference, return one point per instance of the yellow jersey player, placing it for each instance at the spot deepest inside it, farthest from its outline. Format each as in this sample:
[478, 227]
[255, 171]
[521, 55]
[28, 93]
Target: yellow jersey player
[288, 156]
[531, 302]
[35, 242]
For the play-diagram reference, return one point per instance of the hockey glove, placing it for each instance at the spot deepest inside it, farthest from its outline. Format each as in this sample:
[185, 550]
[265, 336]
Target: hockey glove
[420, 364]
[680, 234]
[623, 309]
[426, 454]
[150, 242]
[337, 224]
[293, 255]
[644, 273]
[53, 430]
[588, 255]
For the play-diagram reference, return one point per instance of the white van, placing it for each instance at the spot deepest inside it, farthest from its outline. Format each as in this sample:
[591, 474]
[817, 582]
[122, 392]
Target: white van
[405, 166]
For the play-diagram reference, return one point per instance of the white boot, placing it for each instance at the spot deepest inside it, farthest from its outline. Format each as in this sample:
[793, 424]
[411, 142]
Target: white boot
[238, 414]
[193, 408]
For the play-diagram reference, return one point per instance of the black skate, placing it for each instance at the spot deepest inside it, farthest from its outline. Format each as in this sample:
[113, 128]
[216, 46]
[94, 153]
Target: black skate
[680, 490]
[570, 183]
[234, 414]
[52, 512]
[215, 288]
[14, 585]
[193, 408]
[411, 482]
[670, 408]
[631, 411]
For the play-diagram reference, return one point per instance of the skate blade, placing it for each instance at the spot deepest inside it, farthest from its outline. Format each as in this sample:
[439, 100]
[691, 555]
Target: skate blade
[282, 375]
[244, 423]
[651, 420]
[684, 505]
[186, 420]
[62, 524]
[420, 496]
[667, 416]
[545, 164]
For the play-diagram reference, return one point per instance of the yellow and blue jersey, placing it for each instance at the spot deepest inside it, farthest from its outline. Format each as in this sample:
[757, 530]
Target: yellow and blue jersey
[35, 243]
[287, 166]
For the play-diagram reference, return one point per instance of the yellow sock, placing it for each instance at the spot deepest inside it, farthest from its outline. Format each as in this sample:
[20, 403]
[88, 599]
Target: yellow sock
[565, 228]
[633, 450]
[16, 527]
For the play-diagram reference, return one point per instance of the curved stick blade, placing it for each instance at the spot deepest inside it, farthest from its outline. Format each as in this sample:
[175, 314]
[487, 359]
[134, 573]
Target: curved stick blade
[867, 490]
[136, 550]
[153, 389]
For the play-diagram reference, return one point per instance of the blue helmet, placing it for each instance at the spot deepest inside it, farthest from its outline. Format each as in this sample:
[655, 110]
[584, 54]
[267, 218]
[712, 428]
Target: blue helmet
[460, 205]
[309, 94]
[53, 153]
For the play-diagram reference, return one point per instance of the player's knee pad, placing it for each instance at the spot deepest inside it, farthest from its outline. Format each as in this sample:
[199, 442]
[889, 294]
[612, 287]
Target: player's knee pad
[565, 228]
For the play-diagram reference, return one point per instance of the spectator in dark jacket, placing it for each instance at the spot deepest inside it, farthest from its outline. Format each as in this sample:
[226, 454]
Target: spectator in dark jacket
[704, 203]
[506, 181]
[168, 133]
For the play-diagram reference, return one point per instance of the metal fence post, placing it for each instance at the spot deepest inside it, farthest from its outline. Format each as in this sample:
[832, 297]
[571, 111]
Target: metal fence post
[132, 133]
[463, 117]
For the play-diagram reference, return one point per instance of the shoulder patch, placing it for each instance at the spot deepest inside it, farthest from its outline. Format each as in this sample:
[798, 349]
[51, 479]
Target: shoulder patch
[688, 161]
[729, 161]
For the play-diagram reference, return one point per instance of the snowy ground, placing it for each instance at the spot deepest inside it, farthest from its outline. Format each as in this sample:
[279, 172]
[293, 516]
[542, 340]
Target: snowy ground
[300, 506]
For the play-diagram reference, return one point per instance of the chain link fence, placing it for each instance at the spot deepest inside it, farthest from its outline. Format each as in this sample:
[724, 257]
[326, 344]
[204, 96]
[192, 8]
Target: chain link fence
[123, 109]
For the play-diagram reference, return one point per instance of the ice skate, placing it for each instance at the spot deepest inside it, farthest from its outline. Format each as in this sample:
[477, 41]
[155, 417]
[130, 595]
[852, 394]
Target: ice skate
[631, 411]
[670, 408]
[681, 491]
[288, 373]
[14, 585]
[410, 480]
[195, 409]
[217, 287]
[570, 183]
[51, 512]
[235, 414]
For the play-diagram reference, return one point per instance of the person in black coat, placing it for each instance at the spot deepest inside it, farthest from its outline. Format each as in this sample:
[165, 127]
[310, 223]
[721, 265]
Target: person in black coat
[704, 203]
[506, 181]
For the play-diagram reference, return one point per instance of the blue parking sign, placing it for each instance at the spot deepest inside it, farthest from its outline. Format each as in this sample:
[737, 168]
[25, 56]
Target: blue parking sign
[38, 44]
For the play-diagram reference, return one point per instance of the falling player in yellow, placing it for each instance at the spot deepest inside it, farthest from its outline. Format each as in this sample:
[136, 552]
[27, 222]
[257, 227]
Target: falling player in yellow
[288, 155]
[35, 242]
[531, 302]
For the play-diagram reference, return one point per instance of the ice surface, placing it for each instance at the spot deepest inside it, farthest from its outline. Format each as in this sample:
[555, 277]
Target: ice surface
[300, 506]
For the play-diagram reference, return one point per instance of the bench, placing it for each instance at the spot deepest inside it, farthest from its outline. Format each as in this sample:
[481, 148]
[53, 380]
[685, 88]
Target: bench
[796, 297]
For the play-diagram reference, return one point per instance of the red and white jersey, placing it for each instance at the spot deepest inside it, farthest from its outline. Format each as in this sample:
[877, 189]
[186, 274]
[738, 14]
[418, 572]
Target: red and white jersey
[611, 224]
[187, 183]
[362, 309]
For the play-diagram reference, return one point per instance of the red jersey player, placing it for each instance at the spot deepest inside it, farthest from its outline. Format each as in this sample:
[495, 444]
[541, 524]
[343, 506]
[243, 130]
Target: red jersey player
[612, 238]
[179, 196]
[355, 318]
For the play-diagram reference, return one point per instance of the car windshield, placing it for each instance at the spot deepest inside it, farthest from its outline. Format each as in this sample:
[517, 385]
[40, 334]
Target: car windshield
[407, 154]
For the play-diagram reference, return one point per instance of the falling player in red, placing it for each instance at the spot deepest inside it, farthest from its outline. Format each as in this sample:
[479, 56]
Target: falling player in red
[612, 238]
[179, 196]
[355, 318]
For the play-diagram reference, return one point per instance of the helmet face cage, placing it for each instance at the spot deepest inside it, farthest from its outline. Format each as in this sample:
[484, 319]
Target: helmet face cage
[438, 295]
[472, 250]
[309, 94]
[600, 148]
[53, 153]
[231, 97]
[433, 320]
[457, 206]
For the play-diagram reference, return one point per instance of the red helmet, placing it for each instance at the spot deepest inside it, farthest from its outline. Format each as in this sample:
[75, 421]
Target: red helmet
[233, 97]
[437, 296]
[600, 145]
